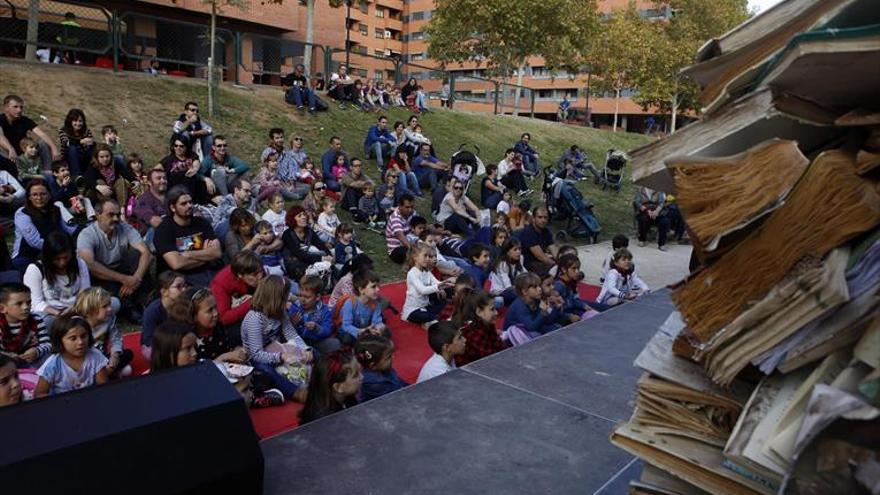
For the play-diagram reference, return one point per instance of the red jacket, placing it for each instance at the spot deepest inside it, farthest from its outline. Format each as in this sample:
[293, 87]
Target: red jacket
[226, 287]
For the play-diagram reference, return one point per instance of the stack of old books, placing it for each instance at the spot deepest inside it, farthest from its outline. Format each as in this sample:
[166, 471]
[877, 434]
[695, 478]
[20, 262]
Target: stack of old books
[767, 377]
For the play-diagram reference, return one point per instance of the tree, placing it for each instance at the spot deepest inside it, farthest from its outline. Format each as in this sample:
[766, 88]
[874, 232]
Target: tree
[216, 8]
[310, 27]
[675, 43]
[620, 51]
[503, 34]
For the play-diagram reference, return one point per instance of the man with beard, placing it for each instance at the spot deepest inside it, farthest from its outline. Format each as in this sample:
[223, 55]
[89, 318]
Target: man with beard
[117, 257]
[186, 243]
[150, 206]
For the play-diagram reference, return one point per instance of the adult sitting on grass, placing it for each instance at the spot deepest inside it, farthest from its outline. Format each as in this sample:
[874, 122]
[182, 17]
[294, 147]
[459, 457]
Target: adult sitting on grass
[397, 229]
[510, 173]
[298, 91]
[341, 86]
[186, 243]
[302, 246]
[328, 159]
[239, 198]
[354, 183]
[77, 141]
[491, 189]
[539, 251]
[150, 206]
[429, 169]
[16, 126]
[457, 212]
[221, 166]
[191, 129]
[380, 142]
[531, 165]
[182, 166]
[33, 222]
[117, 257]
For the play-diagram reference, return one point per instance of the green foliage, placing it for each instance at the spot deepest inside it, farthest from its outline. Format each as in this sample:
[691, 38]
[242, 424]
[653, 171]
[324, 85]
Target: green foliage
[503, 34]
[621, 50]
[674, 44]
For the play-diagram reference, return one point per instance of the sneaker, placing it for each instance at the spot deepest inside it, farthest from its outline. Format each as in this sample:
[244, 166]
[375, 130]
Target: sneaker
[372, 225]
[312, 110]
[342, 106]
[301, 109]
[269, 398]
[663, 248]
[524, 192]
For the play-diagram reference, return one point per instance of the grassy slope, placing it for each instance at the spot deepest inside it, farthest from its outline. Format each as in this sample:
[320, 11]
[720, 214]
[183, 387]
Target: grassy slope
[148, 105]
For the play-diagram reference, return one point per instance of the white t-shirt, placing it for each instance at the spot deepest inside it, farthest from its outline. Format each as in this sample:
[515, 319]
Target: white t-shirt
[276, 220]
[59, 295]
[62, 378]
[434, 366]
[419, 285]
[503, 207]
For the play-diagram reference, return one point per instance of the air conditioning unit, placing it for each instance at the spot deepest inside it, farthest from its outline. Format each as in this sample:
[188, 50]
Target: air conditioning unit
[387, 34]
[387, 50]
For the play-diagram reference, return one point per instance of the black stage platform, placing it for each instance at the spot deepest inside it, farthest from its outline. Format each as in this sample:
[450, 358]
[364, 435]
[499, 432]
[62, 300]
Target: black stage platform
[534, 419]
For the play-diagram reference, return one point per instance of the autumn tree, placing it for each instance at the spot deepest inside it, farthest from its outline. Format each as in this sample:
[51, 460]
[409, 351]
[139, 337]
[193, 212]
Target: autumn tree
[619, 52]
[675, 41]
[501, 34]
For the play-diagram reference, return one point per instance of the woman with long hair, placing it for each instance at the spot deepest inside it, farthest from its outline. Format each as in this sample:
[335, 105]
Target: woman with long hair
[56, 278]
[34, 222]
[182, 167]
[77, 142]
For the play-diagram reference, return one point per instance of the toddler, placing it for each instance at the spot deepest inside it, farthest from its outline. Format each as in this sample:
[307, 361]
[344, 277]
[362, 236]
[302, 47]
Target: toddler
[376, 355]
[308, 173]
[345, 249]
[270, 247]
[447, 342]
[99, 310]
[111, 139]
[29, 163]
[368, 208]
[275, 214]
[327, 222]
[503, 205]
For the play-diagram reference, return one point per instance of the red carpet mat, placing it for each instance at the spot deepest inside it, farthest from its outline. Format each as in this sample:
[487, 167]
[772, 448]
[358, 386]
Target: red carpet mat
[410, 341]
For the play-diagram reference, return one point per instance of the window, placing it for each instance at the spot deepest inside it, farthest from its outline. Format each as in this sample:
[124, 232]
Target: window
[361, 72]
[364, 7]
[379, 33]
[363, 29]
[417, 56]
[416, 36]
[380, 12]
[418, 16]
[379, 75]
[404, 38]
[362, 50]
[379, 53]
[405, 19]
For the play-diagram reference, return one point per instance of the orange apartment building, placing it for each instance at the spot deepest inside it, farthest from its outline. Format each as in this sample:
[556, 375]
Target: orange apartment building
[384, 38]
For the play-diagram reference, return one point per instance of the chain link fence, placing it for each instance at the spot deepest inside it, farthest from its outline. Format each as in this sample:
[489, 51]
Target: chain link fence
[61, 32]
[270, 58]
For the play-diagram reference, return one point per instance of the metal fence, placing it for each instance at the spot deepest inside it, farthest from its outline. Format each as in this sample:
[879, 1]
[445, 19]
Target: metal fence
[64, 31]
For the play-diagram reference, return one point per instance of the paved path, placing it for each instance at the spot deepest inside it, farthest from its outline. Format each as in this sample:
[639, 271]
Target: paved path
[655, 267]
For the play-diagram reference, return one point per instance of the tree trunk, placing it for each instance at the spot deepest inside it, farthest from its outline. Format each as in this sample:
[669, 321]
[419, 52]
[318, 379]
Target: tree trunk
[213, 35]
[517, 94]
[33, 27]
[674, 114]
[616, 108]
[310, 36]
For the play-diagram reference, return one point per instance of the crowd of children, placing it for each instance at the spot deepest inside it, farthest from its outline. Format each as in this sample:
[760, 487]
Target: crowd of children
[265, 319]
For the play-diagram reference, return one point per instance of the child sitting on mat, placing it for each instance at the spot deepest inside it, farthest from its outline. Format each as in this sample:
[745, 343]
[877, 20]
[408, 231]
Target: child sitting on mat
[334, 385]
[528, 311]
[76, 363]
[621, 282]
[96, 306]
[507, 267]
[425, 297]
[446, 341]
[312, 318]
[376, 355]
[481, 338]
[362, 313]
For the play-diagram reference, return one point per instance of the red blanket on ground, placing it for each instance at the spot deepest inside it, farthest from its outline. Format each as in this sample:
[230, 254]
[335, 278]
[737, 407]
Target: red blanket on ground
[410, 341]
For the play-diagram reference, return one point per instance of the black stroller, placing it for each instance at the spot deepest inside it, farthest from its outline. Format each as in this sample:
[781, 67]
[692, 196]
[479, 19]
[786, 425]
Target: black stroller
[612, 174]
[564, 201]
[465, 164]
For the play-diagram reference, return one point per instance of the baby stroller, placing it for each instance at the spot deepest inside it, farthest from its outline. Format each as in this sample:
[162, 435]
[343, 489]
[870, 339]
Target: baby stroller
[564, 201]
[612, 174]
[466, 164]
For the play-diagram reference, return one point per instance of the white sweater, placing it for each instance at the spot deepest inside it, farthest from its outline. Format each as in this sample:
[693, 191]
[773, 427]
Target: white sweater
[57, 295]
[615, 285]
[419, 285]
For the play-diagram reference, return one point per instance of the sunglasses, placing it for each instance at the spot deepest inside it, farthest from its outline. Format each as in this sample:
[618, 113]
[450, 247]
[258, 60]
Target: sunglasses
[180, 146]
[221, 145]
[457, 188]
[193, 109]
[319, 188]
[297, 139]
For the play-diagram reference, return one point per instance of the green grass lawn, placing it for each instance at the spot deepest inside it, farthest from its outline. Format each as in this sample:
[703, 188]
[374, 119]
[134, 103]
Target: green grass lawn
[143, 108]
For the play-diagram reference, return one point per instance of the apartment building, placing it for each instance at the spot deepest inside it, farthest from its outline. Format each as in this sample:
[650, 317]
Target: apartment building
[380, 39]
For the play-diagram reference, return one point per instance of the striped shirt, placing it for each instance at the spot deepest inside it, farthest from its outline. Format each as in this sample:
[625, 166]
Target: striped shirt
[396, 224]
[258, 331]
[40, 340]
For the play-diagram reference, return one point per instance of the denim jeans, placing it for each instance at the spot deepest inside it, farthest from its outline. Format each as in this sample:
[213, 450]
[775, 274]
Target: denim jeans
[492, 201]
[380, 151]
[78, 159]
[287, 387]
[427, 174]
[297, 94]
[531, 167]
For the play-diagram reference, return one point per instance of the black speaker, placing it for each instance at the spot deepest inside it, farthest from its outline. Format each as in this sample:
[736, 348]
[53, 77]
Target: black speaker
[184, 430]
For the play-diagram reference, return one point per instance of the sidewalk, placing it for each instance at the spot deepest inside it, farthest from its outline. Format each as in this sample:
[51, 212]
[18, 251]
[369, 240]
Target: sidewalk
[655, 267]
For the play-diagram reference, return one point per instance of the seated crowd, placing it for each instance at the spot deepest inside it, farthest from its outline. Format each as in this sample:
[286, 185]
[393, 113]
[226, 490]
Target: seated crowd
[240, 277]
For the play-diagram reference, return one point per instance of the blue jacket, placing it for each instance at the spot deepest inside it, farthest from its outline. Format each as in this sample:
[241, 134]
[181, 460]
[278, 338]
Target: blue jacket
[480, 274]
[524, 149]
[573, 303]
[377, 384]
[533, 320]
[374, 136]
[321, 315]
